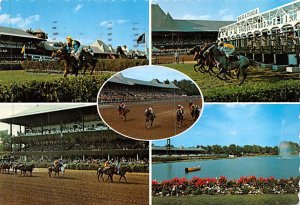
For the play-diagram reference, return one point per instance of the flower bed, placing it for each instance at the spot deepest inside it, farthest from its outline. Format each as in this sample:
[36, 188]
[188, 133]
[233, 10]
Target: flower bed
[223, 186]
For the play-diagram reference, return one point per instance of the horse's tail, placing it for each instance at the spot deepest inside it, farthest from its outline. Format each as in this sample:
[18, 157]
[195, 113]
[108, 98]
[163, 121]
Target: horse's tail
[253, 63]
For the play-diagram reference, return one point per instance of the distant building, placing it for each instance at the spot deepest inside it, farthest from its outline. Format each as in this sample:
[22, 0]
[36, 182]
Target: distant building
[169, 33]
[70, 131]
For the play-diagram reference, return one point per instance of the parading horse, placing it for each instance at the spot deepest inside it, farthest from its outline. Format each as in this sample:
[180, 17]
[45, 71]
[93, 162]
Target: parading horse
[149, 117]
[55, 169]
[240, 64]
[73, 66]
[5, 167]
[112, 171]
[27, 168]
[179, 117]
[202, 61]
[195, 111]
[123, 112]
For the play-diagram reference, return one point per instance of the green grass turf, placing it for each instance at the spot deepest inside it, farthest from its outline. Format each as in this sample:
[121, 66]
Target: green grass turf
[22, 75]
[256, 77]
[266, 199]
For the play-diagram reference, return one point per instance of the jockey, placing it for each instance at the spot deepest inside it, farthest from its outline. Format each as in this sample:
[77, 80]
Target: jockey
[226, 48]
[180, 109]
[149, 109]
[118, 165]
[122, 106]
[74, 47]
[106, 165]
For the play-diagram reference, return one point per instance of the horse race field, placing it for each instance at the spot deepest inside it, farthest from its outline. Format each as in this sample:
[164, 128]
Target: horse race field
[261, 85]
[164, 124]
[79, 187]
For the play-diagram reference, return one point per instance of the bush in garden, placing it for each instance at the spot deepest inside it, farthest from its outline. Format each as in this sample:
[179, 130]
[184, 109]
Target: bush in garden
[114, 65]
[81, 89]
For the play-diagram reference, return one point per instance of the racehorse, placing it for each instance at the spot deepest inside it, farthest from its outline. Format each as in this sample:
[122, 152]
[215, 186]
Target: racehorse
[109, 171]
[4, 167]
[202, 61]
[179, 117]
[240, 64]
[149, 118]
[112, 170]
[72, 65]
[122, 111]
[121, 53]
[54, 169]
[27, 168]
[195, 111]
[17, 167]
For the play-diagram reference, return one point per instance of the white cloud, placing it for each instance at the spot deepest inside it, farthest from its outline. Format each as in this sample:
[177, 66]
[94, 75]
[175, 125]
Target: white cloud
[121, 21]
[112, 23]
[194, 17]
[78, 7]
[229, 17]
[18, 20]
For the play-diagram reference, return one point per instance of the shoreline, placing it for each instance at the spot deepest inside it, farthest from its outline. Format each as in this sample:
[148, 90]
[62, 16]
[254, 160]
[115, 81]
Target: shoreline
[170, 159]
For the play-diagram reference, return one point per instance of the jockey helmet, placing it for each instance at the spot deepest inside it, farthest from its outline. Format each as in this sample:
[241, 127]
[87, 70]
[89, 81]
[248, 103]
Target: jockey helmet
[221, 43]
[179, 106]
[69, 37]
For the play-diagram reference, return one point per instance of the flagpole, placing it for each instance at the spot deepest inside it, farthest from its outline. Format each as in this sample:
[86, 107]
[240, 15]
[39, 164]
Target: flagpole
[146, 51]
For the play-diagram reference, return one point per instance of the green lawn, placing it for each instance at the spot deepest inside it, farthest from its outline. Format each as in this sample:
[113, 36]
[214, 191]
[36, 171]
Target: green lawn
[266, 199]
[258, 79]
[22, 75]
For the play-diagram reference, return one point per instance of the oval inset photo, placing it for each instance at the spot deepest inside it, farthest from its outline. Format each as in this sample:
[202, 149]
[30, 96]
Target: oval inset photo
[150, 102]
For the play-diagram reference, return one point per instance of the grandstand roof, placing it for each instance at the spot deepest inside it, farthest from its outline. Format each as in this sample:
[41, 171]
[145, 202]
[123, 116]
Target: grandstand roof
[16, 32]
[119, 78]
[164, 22]
[50, 114]
[99, 46]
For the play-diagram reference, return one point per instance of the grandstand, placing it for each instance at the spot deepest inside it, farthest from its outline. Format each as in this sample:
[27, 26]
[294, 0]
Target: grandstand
[169, 33]
[73, 131]
[271, 37]
[120, 88]
[13, 40]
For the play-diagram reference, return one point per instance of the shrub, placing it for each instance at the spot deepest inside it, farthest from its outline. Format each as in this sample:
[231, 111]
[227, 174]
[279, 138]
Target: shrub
[102, 65]
[83, 89]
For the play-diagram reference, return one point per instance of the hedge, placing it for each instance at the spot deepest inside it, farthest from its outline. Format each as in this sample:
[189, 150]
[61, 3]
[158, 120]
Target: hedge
[102, 65]
[83, 89]
[284, 91]
[10, 66]
[87, 166]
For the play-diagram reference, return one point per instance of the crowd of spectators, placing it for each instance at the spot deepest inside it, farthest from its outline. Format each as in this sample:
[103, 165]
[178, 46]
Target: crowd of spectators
[135, 95]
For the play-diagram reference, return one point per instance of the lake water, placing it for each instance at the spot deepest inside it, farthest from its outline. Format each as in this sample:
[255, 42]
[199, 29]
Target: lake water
[264, 166]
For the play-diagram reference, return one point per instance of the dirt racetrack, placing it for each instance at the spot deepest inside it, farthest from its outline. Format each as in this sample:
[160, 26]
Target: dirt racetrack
[164, 125]
[77, 187]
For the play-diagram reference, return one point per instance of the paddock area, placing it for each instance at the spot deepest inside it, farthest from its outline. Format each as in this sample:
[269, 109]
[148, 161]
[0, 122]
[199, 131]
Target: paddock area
[164, 125]
[79, 187]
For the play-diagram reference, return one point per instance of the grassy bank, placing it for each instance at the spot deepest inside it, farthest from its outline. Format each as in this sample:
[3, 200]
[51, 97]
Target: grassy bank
[261, 85]
[266, 199]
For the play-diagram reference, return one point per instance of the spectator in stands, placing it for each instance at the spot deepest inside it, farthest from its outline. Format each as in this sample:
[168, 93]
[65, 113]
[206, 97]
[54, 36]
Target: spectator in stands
[125, 49]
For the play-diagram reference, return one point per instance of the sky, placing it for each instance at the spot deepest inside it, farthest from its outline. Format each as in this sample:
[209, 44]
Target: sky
[9, 109]
[148, 73]
[242, 124]
[227, 10]
[84, 20]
